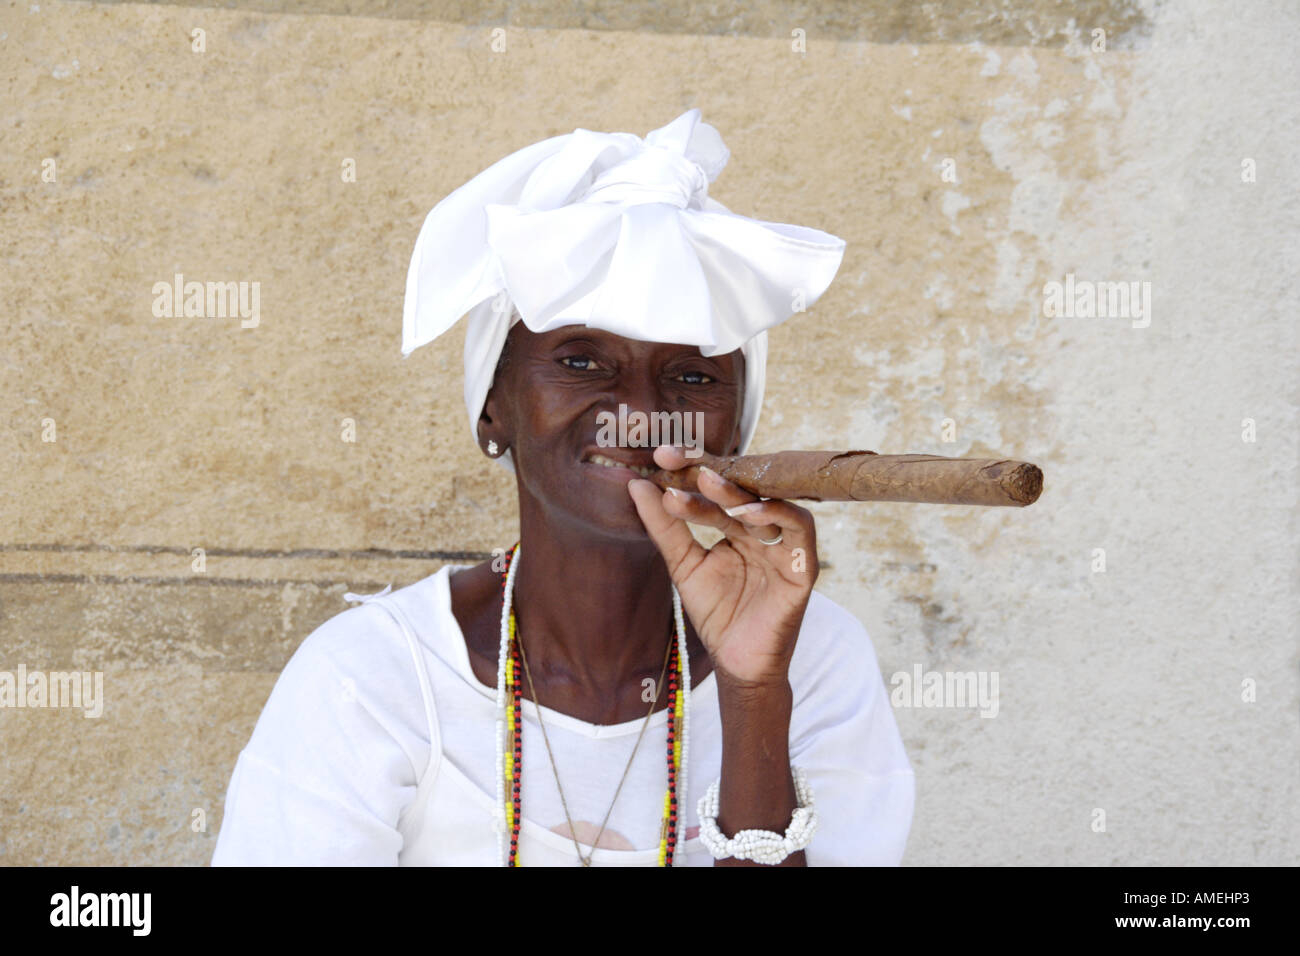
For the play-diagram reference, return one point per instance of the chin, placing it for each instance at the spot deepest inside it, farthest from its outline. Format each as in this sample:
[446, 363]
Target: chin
[609, 516]
[614, 523]
[594, 500]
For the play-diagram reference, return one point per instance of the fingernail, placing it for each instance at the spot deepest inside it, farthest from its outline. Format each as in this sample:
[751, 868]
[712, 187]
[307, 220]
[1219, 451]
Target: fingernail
[674, 492]
[744, 509]
[707, 470]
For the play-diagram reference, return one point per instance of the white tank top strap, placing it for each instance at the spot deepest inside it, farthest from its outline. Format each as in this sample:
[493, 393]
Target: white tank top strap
[416, 806]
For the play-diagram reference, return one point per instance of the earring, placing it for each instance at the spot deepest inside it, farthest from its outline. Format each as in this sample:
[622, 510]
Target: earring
[492, 448]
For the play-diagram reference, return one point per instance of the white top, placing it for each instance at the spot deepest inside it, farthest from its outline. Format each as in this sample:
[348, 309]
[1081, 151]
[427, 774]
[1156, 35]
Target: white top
[377, 748]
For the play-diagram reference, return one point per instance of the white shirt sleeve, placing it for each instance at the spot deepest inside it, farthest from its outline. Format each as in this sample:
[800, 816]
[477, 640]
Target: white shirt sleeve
[335, 756]
[844, 736]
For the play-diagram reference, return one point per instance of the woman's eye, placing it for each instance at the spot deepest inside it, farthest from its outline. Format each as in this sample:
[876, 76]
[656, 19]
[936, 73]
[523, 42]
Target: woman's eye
[585, 363]
[696, 378]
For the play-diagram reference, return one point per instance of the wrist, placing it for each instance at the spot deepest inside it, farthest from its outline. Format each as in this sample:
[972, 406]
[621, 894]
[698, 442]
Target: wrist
[758, 692]
[765, 845]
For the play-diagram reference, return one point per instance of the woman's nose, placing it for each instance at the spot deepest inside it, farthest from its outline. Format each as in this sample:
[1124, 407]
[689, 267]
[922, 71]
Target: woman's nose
[636, 404]
[641, 391]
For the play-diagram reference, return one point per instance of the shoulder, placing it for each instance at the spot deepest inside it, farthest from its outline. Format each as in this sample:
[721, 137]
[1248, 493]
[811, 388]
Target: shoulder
[351, 686]
[844, 736]
[840, 699]
[363, 656]
[354, 643]
[337, 753]
[832, 643]
[369, 639]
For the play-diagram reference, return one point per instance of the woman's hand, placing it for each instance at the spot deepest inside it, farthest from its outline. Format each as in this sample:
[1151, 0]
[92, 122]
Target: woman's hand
[746, 598]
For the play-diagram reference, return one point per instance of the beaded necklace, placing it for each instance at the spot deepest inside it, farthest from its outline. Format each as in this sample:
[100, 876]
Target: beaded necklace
[510, 727]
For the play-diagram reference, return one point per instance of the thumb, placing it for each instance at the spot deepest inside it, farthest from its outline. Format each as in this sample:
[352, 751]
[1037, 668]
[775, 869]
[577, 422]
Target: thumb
[674, 540]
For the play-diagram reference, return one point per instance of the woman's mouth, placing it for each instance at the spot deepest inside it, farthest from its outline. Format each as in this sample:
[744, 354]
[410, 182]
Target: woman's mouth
[604, 462]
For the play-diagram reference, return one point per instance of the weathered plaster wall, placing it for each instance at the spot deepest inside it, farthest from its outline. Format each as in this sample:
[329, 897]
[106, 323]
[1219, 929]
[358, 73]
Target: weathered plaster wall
[1118, 690]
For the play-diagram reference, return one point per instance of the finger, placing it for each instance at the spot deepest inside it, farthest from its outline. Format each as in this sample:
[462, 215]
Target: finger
[671, 457]
[716, 488]
[767, 519]
[698, 509]
[675, 457]
[680, 550]
[728, 496]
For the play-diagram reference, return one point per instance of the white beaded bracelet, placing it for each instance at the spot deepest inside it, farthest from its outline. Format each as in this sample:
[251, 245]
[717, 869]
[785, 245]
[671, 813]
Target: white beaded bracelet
[761, 846]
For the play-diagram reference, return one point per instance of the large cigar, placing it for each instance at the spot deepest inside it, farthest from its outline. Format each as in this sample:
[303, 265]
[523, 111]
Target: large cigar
[866, 476]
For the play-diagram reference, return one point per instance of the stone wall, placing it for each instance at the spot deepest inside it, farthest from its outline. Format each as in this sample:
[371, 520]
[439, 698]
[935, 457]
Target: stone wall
[1161, 690]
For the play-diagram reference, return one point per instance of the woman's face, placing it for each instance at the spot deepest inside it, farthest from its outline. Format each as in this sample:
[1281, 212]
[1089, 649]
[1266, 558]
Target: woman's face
[547, 402]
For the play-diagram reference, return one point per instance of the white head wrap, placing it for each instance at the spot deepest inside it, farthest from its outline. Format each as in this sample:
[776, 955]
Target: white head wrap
[617, 233]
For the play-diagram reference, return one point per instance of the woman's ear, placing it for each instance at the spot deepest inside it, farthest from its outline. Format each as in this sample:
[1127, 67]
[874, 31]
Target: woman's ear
[494, 433]
[492, 436]
[489, 440]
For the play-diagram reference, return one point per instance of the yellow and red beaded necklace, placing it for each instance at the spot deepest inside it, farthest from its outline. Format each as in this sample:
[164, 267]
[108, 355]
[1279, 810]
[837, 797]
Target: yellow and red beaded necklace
[510, 728]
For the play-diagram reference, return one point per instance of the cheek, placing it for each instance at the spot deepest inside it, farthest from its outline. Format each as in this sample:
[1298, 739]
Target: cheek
[545, 425]
[720, 419]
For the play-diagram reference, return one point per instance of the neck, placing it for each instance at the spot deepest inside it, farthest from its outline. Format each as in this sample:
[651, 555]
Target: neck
[594, 612]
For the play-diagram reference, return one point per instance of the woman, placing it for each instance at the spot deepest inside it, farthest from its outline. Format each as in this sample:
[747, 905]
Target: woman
[599, 278]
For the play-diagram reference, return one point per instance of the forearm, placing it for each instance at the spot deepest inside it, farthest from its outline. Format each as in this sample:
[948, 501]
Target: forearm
[756, 791]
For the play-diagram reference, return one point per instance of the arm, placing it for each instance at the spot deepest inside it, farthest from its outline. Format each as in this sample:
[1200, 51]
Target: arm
[797, 675]
[746, 597]
[333, 759]
[756, 791]
[834, 721]
[845, 737]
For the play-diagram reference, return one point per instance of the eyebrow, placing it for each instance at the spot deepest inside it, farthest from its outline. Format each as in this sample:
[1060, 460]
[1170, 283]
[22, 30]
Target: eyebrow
[581, 333]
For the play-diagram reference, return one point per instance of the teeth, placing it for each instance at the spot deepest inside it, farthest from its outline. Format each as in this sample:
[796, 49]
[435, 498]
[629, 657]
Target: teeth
[610, 463]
